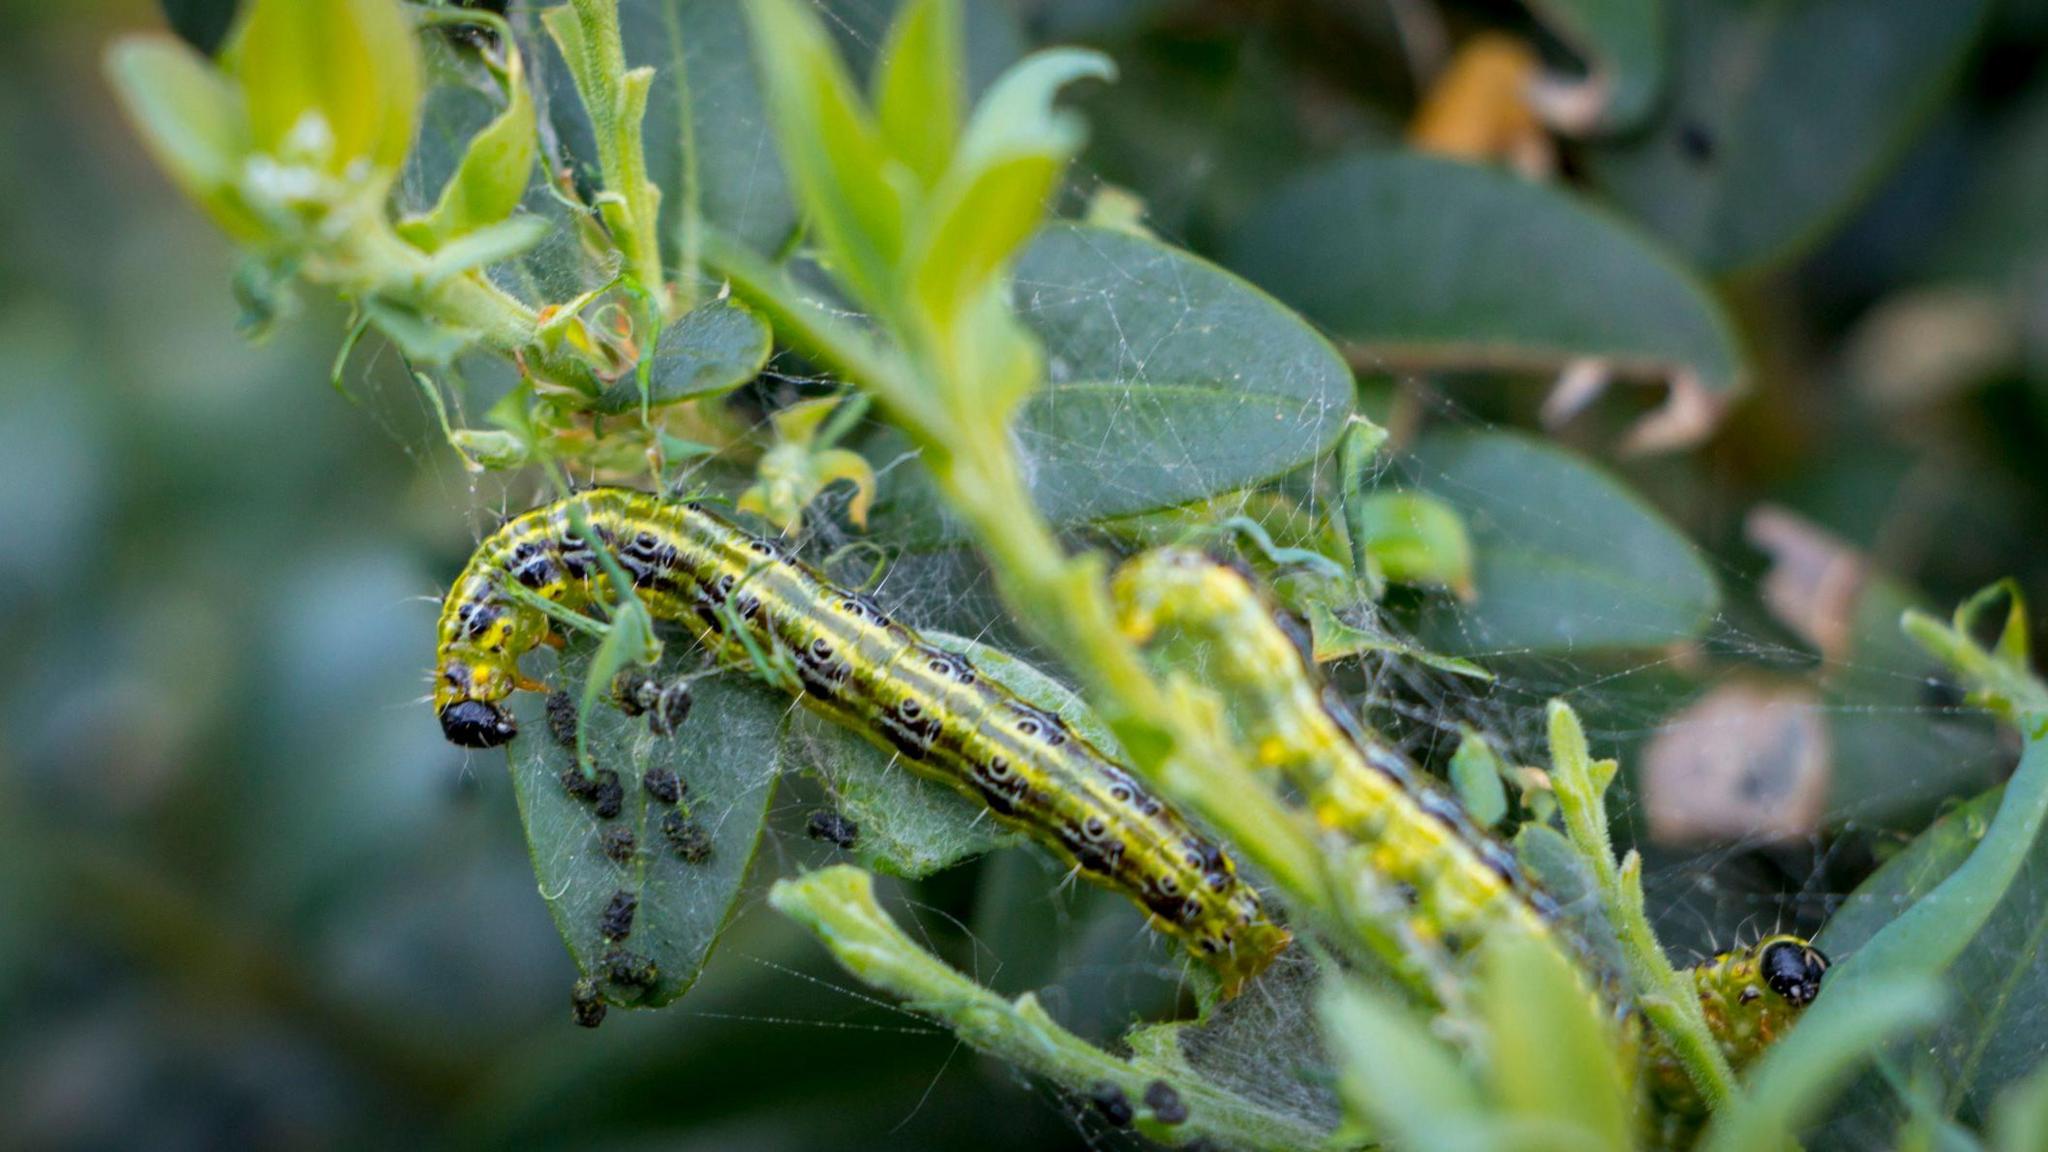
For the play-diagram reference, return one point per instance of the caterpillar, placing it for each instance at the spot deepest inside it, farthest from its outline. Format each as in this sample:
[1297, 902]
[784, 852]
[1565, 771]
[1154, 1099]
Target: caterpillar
[743, 595]
[1463, 883]
[1750, 997]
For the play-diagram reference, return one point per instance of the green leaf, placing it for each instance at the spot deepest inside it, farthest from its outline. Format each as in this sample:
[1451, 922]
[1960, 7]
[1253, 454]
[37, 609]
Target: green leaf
[1782, 117]
[1419, 261]
[994, 197]
[831, 147]
[1968, 898]
[192, 120]
[725, 755]
[1894, 761]
[911, 826]
[1623, 43]
[1996, 235]
[1569, 558]
[917, 86]
[1412, 538]
[1267, 1046]
[710, 350]
[1476, 774]
[1562, 872]
[1554, 1064]
[484, 246]
[491, 178]
[587, 34]
[1168, 380]
[335, 82]
[1398, 1078]
[422, 338]
[2020, 1121]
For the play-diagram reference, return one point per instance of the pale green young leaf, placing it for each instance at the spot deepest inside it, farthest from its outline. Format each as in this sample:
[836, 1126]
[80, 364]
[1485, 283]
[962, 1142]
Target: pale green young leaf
[331, 82]
[996, 194]
[190, 117]
[2019, 1121]
[1476, 774]
[615, 98]
[492, 176]
[1415, 538]
[976, 228]
[1397, 1078]
[484, 246]
[917, 86]
[1554, 1061]
[831, 146]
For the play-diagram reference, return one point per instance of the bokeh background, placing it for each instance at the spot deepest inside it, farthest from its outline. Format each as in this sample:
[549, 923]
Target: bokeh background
[249, 898]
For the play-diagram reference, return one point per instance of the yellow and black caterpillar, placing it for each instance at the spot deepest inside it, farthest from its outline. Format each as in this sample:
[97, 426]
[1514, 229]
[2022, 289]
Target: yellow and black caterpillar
[1412, 835]
[743, 596]
[1460, 882]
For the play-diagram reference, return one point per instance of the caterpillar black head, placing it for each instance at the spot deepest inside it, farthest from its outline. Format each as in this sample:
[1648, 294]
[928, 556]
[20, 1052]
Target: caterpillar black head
[1793, 968]
[477, 724]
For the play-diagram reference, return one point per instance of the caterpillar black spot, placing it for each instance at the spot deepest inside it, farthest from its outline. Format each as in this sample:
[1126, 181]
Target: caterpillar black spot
[744, 596]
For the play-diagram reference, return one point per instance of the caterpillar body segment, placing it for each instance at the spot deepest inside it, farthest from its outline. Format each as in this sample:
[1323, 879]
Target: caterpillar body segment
[747, 599]
[1464, 882]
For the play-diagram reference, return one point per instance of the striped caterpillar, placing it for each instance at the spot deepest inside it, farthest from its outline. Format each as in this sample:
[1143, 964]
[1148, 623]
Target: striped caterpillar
[743, 596]
[1416, 837]
[1462, 882]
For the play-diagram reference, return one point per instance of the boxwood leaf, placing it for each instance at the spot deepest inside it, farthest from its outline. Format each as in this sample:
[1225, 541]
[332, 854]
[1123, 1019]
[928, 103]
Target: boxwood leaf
[726, 757]
[1169, 380]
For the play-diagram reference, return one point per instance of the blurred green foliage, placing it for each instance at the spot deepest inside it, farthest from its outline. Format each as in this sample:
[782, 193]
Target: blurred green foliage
[248, 897]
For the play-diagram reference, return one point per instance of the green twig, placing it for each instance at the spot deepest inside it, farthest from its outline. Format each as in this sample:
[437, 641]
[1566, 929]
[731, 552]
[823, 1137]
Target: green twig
[1665, 995]
[838, 905]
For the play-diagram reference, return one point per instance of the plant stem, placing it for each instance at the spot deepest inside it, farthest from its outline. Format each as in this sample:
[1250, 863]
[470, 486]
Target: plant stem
[1061, 598]
[616, 100]
[1667, 996]
[838, 905]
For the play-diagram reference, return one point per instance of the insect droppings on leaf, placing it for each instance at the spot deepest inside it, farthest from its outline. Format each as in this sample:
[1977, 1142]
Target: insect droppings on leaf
[561, 711]
[617, 922]
[631, 969]
[618, 842]
[1110, 1103]
[687, 837]
[586, 1004]
[828, 825]
[663, 785]
[1165, 1103]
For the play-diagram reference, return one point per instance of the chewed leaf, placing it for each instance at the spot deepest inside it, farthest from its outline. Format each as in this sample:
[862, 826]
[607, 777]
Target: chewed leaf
[1168, 380]
[640, 897]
